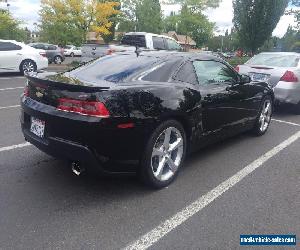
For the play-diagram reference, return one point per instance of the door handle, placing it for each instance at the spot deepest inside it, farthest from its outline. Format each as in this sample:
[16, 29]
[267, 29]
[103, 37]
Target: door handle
[19, 54]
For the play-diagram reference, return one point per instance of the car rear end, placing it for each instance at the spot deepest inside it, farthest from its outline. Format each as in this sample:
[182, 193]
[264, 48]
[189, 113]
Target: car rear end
[280, 70]
[71, 116]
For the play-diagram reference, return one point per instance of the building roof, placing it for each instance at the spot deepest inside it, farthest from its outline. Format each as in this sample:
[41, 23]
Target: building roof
[181, 39]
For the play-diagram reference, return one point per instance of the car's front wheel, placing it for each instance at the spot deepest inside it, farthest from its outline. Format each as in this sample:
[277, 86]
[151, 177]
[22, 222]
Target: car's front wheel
[264, 118]
[164, 154]
[28, 66]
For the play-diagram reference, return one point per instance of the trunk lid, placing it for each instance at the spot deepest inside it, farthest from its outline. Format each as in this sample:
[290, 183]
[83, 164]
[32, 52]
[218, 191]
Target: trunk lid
[274, 73]
[48, 88]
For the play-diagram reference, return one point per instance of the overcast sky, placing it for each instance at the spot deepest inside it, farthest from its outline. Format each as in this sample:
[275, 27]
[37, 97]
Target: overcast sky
[27, 10]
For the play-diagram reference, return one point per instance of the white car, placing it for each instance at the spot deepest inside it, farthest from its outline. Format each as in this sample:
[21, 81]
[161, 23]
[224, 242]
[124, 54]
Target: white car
[72, 51]
[18, 57]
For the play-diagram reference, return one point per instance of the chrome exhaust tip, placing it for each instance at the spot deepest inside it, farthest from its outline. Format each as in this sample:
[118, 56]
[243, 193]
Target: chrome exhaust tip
[77, 169]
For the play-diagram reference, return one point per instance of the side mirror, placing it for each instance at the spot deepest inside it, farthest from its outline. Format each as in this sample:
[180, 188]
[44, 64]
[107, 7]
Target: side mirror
[245, 79]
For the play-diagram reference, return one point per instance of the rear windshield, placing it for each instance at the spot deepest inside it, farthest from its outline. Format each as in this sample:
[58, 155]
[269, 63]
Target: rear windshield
[115, 68]
[134, 40]
[275, 60]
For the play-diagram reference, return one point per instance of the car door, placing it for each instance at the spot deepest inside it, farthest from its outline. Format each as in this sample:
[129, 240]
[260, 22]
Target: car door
[226, 103]
[10, 56]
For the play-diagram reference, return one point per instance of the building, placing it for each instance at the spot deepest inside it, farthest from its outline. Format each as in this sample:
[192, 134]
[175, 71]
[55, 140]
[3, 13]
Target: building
[185, 41]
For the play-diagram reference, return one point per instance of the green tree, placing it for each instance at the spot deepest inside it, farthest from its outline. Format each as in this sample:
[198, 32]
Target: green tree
[68, 21]
[149, 16]
[255, 20]
[290, 39]
[10, 28]
[114, 20]
[144, 15]
[195, 24]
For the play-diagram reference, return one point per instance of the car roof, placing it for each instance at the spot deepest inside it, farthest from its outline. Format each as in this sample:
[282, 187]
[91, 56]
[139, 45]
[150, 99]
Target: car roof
[179, 55]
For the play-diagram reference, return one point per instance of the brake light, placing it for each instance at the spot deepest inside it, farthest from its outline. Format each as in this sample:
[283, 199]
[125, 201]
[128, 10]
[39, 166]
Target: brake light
[110, 51]
[289, 76]
[26, 91]
[237, 68]
[83, 107]
[43, 54]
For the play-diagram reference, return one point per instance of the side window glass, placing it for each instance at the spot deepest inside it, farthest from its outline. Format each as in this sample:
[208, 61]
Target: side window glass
[186, 74]
[172, 45]
[7, 46]
[212, 72]
[158, 43]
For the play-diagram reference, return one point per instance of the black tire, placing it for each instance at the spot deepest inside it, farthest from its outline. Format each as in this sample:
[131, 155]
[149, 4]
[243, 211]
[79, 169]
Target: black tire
[146, 171]
[296, 109]
[257, 129]
[27, 66]
[58, 60]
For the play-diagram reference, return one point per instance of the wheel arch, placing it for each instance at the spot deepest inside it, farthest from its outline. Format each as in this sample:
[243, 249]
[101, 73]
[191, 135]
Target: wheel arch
[27, 59]
[183, 120]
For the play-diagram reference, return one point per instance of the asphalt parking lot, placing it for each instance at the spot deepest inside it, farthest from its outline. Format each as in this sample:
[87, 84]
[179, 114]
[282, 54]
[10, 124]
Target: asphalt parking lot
[245, 185]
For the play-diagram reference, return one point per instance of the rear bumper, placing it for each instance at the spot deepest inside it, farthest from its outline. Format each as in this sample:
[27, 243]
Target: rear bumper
[66, 150]
[96, 144]
[287, 92]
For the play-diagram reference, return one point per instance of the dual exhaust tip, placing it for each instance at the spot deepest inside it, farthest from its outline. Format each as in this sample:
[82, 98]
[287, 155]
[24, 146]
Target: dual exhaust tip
[77, 169]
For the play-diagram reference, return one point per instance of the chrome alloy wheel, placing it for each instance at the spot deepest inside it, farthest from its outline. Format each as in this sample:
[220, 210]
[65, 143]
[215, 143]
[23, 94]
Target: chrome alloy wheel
[265, 116]
[167, 154]
[28, 67]
[58, 60]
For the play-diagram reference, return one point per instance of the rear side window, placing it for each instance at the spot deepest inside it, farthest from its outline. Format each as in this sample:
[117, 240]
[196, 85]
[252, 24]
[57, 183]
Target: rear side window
[158, 43]
[8, 46]
[134, 40]
[116, 68]
[162, 72]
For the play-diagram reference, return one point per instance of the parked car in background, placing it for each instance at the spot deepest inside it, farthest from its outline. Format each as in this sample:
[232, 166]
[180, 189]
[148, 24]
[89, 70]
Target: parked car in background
[54, 53]
[281, 70]
[18, 57]
[71, 50]
[129, 42]
[150, 109]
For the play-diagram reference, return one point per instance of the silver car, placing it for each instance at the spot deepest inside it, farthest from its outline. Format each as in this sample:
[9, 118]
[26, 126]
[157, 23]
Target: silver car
[281, 70]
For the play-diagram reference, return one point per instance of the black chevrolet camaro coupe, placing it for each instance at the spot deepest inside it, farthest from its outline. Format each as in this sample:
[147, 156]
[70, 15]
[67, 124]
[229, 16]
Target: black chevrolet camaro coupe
[150, 109]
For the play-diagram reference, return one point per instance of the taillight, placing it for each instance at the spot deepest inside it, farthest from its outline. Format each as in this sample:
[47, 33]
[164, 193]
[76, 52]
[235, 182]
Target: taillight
[237, 68]
[43, 54]
[83, 107]
[26, 91]
[289, 76]
[110, 51]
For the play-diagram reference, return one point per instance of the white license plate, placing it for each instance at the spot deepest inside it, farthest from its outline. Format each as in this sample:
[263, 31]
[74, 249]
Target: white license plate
[37, 127]
[259, 77]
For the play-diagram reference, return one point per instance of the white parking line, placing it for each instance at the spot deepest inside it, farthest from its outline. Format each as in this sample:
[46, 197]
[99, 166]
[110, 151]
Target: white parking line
[286, 122]
[26, 144]
[176, 220]
[11, 78]
[10, 107]
[11, 88]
